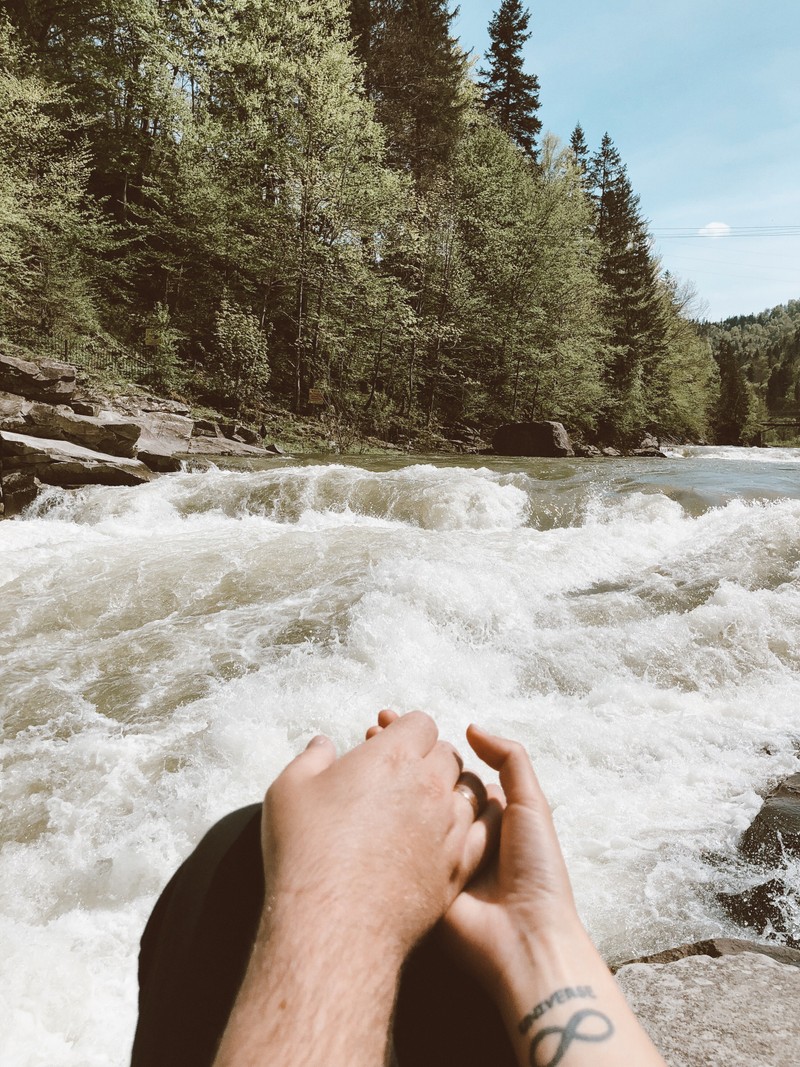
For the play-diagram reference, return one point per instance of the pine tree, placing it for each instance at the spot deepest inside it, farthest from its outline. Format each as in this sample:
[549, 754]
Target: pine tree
[417, 77]
[580, 152]
[634, 308]
[511, 95]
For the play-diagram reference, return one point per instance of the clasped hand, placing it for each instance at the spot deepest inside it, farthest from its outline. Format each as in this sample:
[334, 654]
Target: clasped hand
[386, 843]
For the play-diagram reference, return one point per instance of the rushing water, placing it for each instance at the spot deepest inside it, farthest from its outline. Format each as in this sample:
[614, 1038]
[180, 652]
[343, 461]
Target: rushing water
[165, 650]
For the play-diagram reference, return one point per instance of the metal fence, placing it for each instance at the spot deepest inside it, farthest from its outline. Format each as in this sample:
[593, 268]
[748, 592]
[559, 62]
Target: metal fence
[90, 353]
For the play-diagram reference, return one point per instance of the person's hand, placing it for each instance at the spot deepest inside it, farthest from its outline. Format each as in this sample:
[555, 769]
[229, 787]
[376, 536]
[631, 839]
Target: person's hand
[379, 839]
[524, 893]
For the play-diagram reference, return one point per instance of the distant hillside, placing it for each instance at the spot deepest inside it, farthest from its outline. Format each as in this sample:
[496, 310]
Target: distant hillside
[759, 363]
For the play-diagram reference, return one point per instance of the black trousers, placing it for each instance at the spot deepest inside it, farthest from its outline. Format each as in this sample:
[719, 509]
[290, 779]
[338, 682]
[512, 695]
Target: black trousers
[197, 942]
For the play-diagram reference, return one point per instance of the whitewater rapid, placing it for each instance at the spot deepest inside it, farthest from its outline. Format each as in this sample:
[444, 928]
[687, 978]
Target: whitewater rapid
[166, 649]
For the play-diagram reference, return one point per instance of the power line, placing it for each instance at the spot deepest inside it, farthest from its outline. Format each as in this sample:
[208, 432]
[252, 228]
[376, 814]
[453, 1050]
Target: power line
[680, 233]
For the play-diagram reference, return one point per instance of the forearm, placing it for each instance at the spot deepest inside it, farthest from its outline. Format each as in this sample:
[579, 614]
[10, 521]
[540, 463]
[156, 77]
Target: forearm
[562, 1006]
[315, 989]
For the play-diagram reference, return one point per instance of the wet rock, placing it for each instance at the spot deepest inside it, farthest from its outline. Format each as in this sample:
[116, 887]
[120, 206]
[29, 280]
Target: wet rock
[544, 439]
[108, 435]
[763, 907]
[17, 490]
[44, 379]
[734, 1011]
[608, 451]
[66, 464]
[775, 831]
[770, 844]
[587, 451]
[162, 462]
[655, 452]
[719, 946]
[274, 450]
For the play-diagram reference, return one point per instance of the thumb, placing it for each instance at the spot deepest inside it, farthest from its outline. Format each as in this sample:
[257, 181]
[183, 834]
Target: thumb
[512, 762]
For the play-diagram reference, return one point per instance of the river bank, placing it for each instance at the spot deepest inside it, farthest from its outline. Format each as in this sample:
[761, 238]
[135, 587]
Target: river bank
[64, 427]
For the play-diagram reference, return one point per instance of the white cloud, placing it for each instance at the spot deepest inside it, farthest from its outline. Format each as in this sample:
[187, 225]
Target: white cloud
[715, 229]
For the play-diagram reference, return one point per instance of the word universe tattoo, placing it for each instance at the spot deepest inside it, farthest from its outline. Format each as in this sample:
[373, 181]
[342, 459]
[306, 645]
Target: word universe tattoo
[550, 1045]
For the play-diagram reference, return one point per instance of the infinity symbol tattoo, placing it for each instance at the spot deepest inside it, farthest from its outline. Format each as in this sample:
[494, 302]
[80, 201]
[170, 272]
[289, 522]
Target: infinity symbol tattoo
[569, 1033]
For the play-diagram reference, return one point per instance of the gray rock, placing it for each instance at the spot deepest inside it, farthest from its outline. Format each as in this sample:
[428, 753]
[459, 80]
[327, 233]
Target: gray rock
[587, 451]
[608, 451]
[108, 435]
[274, 450]
[532, 439]
[648, 441]
[66, 464]
[220, 446]
[13, 406]
[17, 490]
[234, 431]
[720, 946]
[735, 1011]
[655, 452]
[40, 380]
[159, 461]
[205, 428]
[82, 407]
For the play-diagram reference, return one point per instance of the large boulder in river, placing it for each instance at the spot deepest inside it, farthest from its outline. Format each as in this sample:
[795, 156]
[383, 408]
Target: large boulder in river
[545, 439]
[772, 845]
[107, 434]
[44, 379]
[775, 831]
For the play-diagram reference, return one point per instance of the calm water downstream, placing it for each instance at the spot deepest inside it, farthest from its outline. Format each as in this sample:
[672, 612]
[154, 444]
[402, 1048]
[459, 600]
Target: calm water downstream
[165, 650]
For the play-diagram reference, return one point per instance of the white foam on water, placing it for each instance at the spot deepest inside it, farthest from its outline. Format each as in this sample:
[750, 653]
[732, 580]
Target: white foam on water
[734, 454]
[165, 650]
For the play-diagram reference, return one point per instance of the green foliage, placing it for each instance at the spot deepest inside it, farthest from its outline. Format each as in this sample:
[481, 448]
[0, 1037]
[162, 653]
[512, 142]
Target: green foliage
[164, 372]
[418, 78]
[318, 182]
[49, 228]
[241, 349]
[766, 348]
[511, 95]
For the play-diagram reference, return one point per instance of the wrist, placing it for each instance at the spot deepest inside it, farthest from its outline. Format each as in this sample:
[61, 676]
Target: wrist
[540, 958]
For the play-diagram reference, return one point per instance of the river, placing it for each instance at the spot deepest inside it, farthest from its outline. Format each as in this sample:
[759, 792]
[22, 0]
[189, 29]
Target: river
[165, 650]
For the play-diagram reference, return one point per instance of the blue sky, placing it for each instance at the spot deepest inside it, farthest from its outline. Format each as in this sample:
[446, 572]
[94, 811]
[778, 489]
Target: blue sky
[702, 98]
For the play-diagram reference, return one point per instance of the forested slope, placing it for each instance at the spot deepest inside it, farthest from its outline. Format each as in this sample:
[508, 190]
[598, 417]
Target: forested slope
[759, 360]
[262, 198]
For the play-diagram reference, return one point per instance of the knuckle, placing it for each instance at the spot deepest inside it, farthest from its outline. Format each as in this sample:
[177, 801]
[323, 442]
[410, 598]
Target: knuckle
[423, 721]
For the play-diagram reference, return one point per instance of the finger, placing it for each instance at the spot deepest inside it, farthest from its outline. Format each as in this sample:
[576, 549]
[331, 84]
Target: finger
[512, 762]
[483, 836]
[471, 789]
[445, 762]
[373, 731]
[318, 755]
[414, 732]
[386, 717]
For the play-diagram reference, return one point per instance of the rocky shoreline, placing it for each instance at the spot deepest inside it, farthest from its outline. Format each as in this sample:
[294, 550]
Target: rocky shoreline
[53, 431]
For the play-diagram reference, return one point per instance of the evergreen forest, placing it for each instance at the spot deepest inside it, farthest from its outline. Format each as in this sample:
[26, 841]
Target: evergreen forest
[260, 199]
